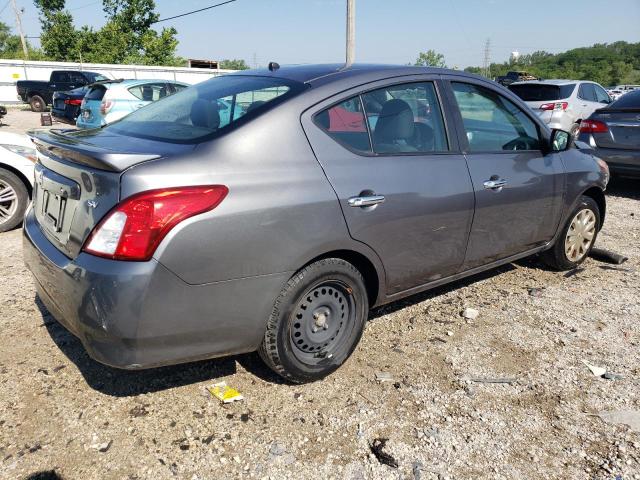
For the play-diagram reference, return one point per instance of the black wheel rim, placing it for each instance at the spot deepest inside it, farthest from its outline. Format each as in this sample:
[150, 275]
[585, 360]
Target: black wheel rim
[322, 322]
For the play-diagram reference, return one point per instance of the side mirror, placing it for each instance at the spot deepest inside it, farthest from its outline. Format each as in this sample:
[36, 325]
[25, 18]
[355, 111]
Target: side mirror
[560, 140]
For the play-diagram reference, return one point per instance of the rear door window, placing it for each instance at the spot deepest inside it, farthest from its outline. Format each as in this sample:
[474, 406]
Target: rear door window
[587, 92]
[345, 123]
[405, 118]
[61, 77]
[491, 122]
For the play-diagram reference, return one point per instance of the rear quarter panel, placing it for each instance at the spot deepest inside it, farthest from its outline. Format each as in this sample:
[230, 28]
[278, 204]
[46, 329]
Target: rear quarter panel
[280, 213]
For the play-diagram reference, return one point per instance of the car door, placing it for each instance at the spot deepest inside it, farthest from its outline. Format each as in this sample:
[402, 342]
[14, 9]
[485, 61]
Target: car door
[402, 183]
[588, 100]
[518, 188]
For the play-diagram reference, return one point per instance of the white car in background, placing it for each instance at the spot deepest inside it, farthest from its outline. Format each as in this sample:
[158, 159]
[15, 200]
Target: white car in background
[17, 158]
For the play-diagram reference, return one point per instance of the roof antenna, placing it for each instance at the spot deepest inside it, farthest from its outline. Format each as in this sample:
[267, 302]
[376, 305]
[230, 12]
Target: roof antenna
[273, 66]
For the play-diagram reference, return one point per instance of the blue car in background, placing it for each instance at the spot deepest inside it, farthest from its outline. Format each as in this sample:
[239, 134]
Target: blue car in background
[110, 100]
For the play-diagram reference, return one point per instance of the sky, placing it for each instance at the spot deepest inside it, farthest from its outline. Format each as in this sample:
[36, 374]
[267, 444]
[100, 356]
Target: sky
[387, 31]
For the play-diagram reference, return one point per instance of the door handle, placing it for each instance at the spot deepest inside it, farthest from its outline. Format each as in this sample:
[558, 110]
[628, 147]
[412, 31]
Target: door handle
[366, 201]
[495, 184]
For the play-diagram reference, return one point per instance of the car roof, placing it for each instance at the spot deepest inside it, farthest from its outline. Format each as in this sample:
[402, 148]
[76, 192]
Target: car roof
[10, 138]
[314, 74]
[132, 82]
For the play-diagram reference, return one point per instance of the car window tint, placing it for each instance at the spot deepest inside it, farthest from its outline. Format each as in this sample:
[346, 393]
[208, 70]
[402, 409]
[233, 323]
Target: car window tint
[405, 118]
[587, 92]
[95, 93]
[60, 77]
[493, 123]
[150, 92]
[76, 78]
[195, 114]
[601, 95]
[537, 92]
[345, 123]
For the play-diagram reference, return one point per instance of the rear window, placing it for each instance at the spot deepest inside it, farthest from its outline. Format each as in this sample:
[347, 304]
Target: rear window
[534, 92]
[202, 111]
[628, 100]
[95, 93]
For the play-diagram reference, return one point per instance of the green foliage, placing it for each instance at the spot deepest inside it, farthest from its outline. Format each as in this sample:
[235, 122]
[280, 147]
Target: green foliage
[11, 46]
[608, 64]
[430, 58]
[235, 64]
[127, 36]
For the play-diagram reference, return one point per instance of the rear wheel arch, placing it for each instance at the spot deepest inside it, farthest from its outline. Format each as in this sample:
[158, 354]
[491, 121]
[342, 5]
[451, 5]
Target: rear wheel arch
[371, 274]
[598, 196]
[20, 175]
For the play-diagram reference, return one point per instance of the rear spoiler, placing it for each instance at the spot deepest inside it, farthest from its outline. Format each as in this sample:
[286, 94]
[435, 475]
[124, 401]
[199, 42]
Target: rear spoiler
[56, 144]
[104, 82]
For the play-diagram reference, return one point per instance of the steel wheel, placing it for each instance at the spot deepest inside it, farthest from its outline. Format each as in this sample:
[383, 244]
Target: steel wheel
[580, 235]
[8, 202]
[321, 322]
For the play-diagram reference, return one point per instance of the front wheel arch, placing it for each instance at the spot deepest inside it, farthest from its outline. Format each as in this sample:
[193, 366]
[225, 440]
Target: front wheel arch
[598, 196]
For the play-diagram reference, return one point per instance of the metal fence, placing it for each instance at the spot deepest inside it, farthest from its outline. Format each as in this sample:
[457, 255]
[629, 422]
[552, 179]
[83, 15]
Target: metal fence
[13, 70]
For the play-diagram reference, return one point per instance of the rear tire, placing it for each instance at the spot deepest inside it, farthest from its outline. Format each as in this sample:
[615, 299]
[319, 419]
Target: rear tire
[316, 322]
[576, 238]
[14, 198]
[37, 103]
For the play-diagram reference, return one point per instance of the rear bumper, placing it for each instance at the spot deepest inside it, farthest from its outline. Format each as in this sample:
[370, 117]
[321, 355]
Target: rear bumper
[621, 162]
[139, 314]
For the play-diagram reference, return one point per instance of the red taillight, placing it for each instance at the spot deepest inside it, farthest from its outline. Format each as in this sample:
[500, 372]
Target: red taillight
[73, 101]
[593, 126]
[105, 106]
[554, 106]
[135, 227]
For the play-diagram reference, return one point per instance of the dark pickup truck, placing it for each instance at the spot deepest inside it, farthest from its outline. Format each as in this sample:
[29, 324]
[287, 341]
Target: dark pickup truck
[39, 94]
[512, 77]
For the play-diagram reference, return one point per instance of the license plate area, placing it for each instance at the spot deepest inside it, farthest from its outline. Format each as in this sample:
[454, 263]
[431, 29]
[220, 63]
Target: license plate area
[55, 199]
[53, 210]
[86, 114]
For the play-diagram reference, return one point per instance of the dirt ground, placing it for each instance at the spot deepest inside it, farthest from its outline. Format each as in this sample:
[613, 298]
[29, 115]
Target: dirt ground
[65, 415]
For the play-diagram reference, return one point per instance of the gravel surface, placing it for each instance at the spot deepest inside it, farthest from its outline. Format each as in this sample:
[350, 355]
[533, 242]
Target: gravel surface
[504, 395]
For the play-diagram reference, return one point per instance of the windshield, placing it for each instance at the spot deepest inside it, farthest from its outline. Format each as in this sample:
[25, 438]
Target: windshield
[200, 112]
[536, 92]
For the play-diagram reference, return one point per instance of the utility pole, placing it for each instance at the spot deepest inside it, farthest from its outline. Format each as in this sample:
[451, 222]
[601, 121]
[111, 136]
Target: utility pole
[19, 26]
[351, 32]
[487, 54]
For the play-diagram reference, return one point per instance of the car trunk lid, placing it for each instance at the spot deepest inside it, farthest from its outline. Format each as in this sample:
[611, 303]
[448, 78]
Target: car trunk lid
[624, 128]
[77, 180]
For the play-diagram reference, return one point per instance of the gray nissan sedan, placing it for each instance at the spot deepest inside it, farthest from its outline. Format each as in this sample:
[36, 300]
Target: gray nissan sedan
[270, 209]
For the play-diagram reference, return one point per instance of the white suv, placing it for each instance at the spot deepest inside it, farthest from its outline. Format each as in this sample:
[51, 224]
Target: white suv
[562, 104]
[17, 157]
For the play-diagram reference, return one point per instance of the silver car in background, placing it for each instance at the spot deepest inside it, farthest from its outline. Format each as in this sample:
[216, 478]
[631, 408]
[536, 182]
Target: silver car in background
[562, 104]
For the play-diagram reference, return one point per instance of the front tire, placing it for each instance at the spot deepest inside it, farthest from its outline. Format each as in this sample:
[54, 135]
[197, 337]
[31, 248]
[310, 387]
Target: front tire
[577, 237]
[316, 322]
[14, 198]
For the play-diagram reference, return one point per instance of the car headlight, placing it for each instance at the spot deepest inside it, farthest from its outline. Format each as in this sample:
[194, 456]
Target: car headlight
[26, 152]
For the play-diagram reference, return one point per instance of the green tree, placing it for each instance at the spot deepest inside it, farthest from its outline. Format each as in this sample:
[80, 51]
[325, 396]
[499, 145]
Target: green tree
[126, 37]
[430, 58]
[11, 45]
[235, 64]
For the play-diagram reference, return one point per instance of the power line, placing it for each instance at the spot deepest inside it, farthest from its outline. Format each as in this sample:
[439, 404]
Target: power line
[5, 6]
[194, 11]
